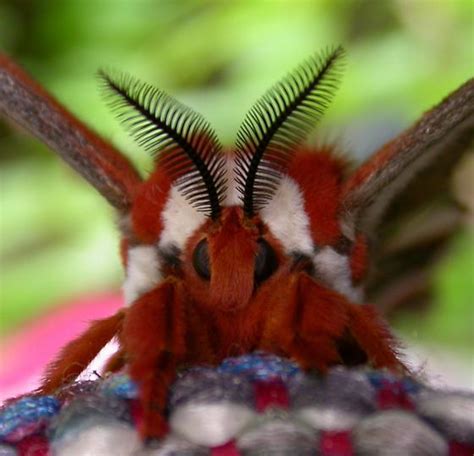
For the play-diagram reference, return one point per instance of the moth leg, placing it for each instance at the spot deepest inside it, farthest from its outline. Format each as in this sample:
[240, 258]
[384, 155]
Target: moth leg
[154, 341]
[320, 320]
[80, 352]
[305, 322]
[372, 334]
[320, 328]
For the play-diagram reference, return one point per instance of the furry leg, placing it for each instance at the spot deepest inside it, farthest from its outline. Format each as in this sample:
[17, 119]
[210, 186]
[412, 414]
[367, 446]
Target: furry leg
[320, 320]
[154, 340]
[79, 353]
[306, 321]
[372, 334]
[319, 328]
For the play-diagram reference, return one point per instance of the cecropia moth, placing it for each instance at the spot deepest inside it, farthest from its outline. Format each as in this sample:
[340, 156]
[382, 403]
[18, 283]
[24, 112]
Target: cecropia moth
[260, 246]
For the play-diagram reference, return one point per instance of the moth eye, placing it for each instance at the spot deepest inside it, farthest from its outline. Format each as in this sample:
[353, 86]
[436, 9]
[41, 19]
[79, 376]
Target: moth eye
[265, 261]
[201, 260]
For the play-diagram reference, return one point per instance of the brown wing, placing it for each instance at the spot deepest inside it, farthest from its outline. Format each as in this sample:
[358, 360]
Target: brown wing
[26, 103]
[402, 197]
[415, 234]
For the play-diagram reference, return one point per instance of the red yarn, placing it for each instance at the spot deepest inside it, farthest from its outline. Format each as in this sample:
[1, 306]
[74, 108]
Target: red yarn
[391, 395]
[335, 443]
[460, 449]
[228, 449]
[33, 445]
[271, 394]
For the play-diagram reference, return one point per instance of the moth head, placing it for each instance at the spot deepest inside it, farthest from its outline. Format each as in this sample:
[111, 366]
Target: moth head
[183, 217]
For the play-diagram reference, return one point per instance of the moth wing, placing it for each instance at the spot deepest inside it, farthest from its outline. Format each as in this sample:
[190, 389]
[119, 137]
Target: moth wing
[415, 233]
[26, 103]
[403, 198]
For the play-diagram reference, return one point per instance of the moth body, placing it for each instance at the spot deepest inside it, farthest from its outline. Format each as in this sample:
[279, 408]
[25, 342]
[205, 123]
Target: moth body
[262, 246]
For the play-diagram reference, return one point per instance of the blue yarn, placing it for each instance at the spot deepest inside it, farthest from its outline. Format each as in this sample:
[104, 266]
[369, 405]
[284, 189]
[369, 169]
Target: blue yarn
[380, 379]
[376, 379]
[260, 366]
[120, 386]
[25, 411]
[410, 386]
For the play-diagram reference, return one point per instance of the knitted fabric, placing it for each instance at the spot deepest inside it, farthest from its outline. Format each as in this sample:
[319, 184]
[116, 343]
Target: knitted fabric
[256, 404]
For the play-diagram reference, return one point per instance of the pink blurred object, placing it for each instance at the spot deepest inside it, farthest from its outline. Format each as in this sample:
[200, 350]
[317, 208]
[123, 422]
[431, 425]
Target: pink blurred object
[25, 354]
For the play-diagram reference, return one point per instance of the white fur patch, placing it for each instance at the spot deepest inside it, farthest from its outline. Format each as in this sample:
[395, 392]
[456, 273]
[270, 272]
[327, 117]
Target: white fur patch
[287, 219]
[335, 271]
[210, 424]
[180, 221]
[143, 272]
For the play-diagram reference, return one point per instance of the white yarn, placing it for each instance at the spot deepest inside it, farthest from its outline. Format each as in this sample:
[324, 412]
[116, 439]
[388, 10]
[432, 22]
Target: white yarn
[210, 424]
[97, 437]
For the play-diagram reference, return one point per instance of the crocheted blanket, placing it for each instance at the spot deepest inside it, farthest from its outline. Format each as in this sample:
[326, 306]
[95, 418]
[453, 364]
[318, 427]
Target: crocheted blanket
[257, 404]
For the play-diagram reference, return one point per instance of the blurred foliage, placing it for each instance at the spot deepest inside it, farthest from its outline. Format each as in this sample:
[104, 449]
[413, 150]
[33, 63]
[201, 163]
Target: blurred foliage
[57, 235]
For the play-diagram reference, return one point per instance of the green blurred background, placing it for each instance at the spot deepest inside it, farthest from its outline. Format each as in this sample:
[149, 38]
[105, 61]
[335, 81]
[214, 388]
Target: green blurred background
[57, 237]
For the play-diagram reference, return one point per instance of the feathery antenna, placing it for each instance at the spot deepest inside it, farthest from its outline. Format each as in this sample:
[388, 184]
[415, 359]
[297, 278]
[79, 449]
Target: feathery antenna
[181, 140]
[279, 122]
